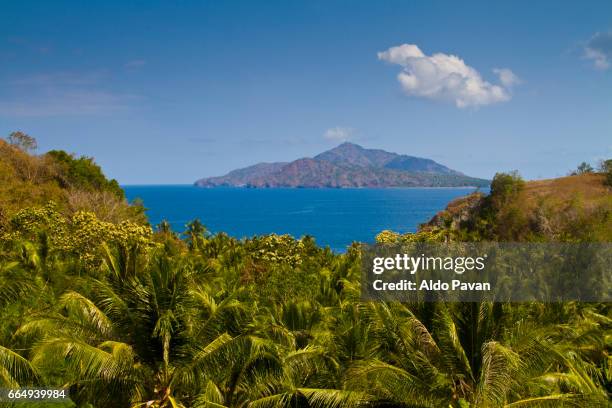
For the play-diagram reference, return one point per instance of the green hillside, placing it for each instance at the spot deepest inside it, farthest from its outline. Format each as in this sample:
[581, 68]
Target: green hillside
[72, 183]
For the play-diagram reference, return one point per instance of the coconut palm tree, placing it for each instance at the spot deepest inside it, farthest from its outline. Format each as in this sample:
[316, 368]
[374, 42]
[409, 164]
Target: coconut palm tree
[195, 233]
[140, 339]
[21, 287]
[472, 356]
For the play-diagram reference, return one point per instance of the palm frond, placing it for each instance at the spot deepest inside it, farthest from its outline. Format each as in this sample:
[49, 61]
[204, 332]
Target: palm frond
[329, 398]
[497, 375]
[86, 312]
[15, 370]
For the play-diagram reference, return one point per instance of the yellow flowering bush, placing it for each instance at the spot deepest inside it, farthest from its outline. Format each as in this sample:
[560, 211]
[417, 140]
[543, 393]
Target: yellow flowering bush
[388, 237]
[275, 248]
[425, 235]
[83, 233]
[28, 222]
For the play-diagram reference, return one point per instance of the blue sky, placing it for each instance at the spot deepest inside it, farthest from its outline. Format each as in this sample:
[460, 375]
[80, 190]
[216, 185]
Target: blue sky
[168, 92]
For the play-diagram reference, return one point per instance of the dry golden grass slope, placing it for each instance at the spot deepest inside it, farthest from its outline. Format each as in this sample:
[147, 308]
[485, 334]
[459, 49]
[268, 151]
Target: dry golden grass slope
[589, 187]
[561, 209]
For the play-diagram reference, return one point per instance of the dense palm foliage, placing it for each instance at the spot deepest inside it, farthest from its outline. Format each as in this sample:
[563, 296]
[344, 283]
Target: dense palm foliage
[274, 322]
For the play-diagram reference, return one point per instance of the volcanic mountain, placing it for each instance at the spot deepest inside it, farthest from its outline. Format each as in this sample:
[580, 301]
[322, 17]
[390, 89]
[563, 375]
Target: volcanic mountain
[347, 165]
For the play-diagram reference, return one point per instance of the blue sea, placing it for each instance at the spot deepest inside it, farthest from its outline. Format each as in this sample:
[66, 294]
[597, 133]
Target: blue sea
[334, 217]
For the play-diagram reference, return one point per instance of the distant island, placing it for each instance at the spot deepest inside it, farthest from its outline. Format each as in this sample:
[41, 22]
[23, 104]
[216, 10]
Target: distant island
[347, 165]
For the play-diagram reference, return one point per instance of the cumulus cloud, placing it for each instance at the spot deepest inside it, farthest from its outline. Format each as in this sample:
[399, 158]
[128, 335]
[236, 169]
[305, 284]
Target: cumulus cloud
[507, 77]
[447, 77]
[599, 50]
[339, 134]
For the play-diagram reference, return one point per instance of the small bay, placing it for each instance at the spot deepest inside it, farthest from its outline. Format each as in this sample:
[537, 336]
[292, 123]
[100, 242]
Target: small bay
[334, 217]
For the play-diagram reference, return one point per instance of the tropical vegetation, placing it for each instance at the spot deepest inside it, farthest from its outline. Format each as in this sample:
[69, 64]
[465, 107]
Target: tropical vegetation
[123, 314]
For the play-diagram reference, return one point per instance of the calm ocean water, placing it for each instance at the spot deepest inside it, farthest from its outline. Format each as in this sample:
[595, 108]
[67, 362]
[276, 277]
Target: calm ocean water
[335, 217]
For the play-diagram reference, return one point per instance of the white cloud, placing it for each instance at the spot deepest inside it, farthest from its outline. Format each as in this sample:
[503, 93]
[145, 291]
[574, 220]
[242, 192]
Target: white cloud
[599, 49]
[339, 134]
[446, 77]
[507, 77]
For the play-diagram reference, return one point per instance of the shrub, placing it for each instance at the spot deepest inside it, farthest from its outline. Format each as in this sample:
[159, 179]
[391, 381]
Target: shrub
[583, 168]
[22, 141]
[606, 168]
[81, 234]
[506, 185]
[83, 173]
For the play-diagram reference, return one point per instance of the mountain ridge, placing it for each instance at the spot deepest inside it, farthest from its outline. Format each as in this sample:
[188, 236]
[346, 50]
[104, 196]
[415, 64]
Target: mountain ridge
[344, 166]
